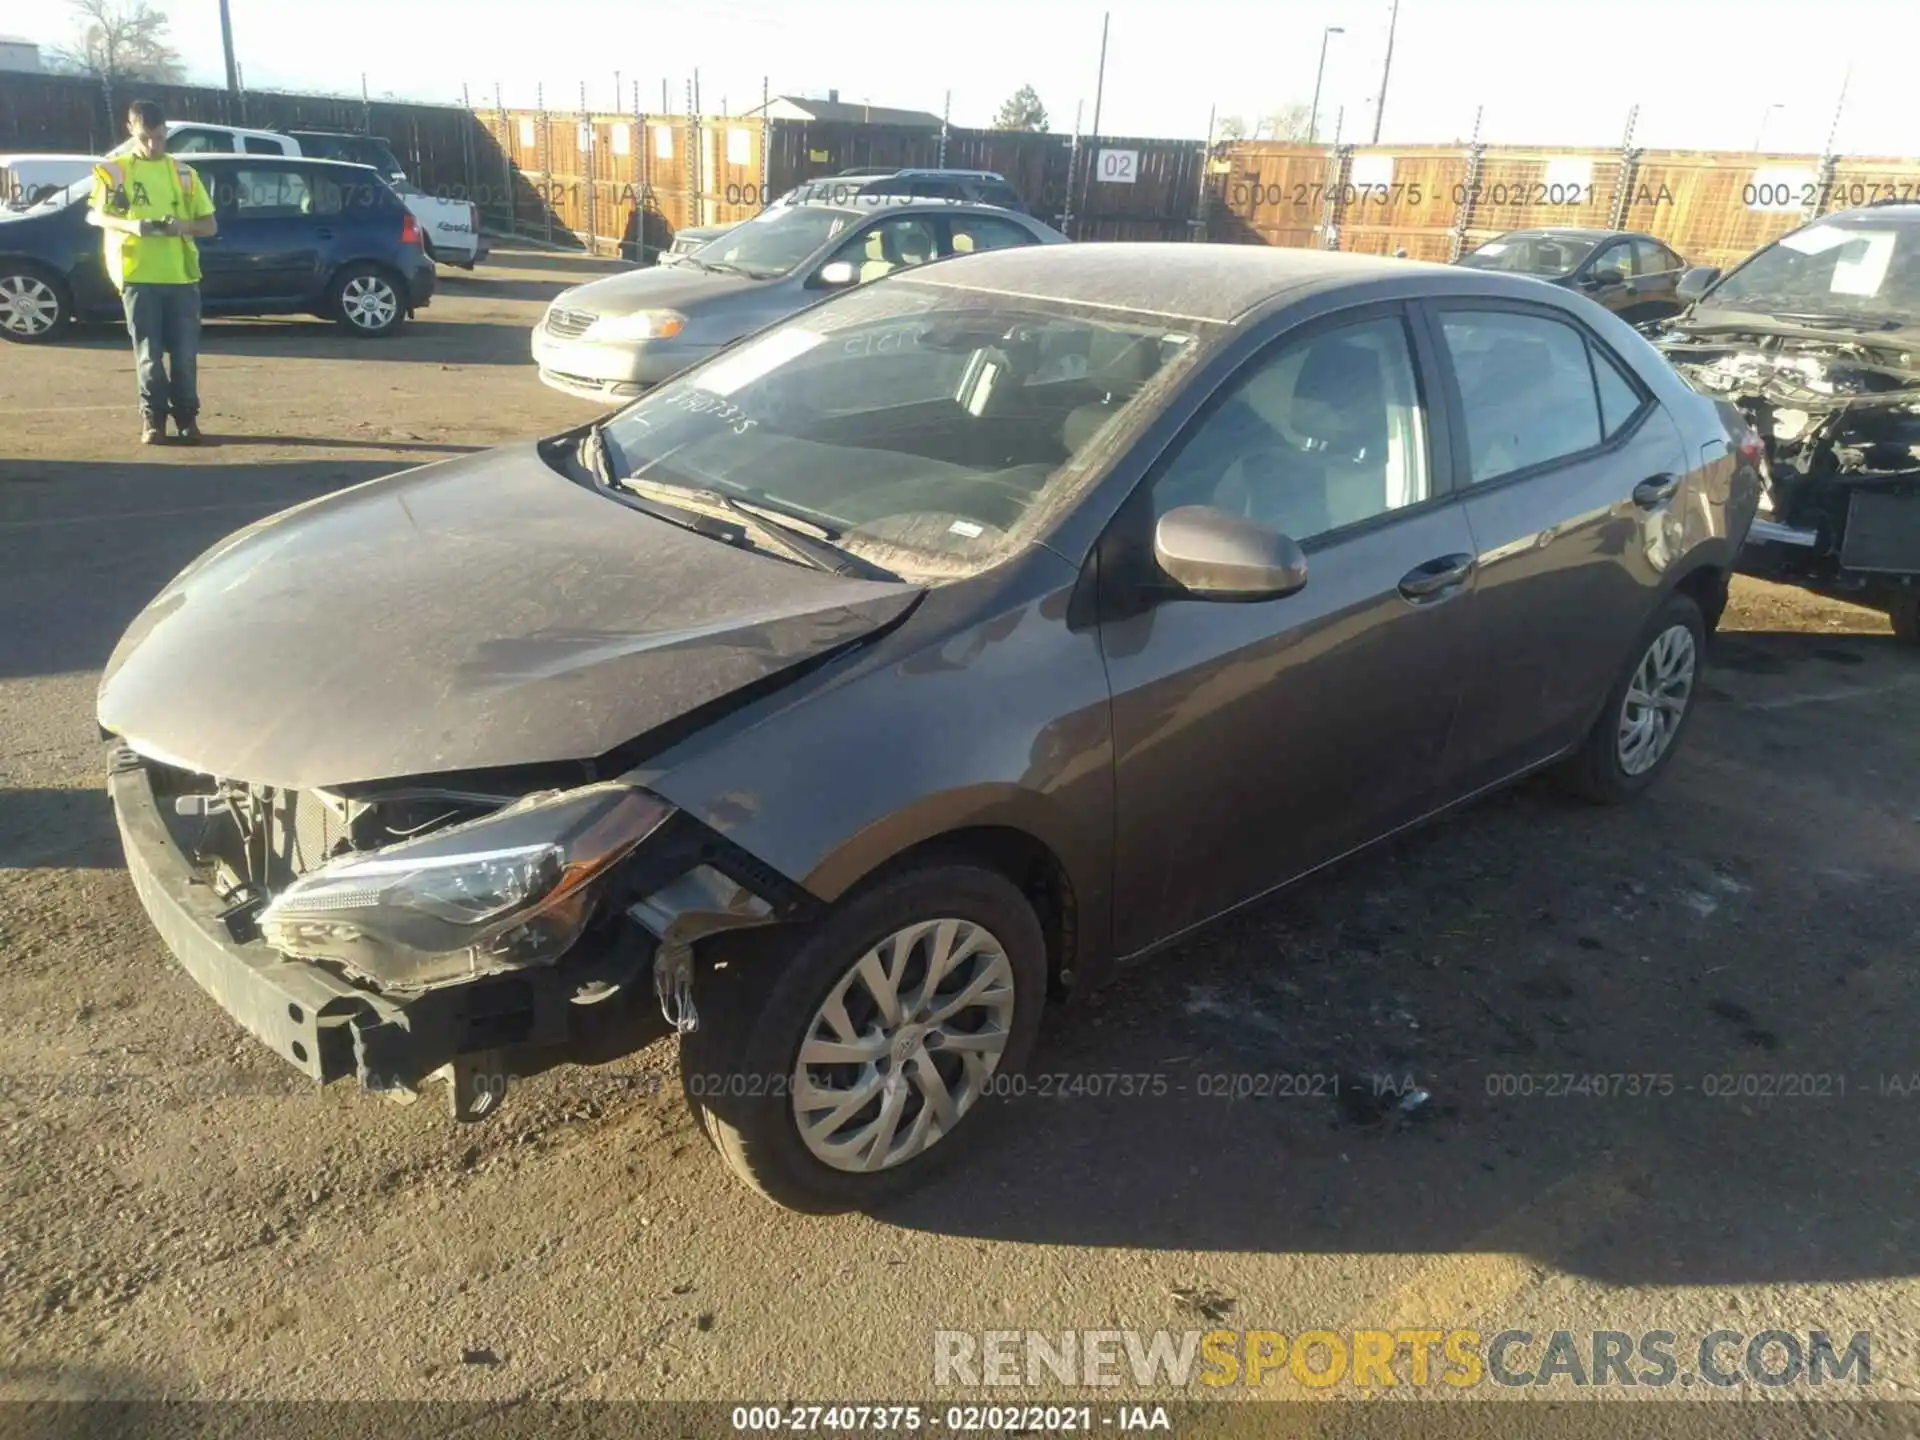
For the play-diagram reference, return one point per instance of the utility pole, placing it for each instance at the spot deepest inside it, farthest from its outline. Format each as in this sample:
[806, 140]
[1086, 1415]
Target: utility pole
[1833, 131]
[1380, 105]
[226, 43]
[1100, 79]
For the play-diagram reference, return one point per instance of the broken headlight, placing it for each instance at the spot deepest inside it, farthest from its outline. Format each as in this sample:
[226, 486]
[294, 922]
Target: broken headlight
[511, 889]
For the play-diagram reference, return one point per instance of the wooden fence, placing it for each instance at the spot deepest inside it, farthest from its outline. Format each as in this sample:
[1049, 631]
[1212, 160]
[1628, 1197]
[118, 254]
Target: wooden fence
[1438, 201]
[623, 184]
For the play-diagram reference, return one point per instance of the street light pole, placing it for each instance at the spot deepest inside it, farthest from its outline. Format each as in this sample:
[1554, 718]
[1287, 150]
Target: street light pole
[1380, 108]
[1313, 120]
[1100, 79]
[226, 42]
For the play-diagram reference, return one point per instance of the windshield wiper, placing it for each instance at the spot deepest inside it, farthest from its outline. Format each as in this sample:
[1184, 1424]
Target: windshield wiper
[599, 463]
[808, 549]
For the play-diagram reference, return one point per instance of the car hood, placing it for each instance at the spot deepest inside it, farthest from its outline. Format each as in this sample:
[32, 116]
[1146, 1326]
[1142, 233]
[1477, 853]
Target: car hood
[668, 287]
[478, 613]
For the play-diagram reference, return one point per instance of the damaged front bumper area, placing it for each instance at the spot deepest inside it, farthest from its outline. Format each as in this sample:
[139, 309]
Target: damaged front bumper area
[681, 884]
[1840, 419]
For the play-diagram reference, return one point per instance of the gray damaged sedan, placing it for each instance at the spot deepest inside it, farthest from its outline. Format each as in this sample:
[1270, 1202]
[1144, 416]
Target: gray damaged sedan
[613, 339]
[909, 666]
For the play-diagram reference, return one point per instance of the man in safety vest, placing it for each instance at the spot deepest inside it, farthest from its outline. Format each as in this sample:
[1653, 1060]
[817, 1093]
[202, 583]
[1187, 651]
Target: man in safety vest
[152, 208]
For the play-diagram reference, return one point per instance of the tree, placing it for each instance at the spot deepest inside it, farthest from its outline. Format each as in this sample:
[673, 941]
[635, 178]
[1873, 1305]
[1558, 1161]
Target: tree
[120, 40]
[1234, 127]
[1022, 111]
[1289, 124]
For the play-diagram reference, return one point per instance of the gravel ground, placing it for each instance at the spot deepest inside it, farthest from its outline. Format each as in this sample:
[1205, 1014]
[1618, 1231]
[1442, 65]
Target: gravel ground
[182, 1215]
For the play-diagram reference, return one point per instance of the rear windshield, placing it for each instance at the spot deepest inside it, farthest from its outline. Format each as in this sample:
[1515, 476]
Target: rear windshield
[1547, 256]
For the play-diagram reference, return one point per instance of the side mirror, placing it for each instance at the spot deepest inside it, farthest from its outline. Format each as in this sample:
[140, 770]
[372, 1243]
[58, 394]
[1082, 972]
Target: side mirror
[836, 275]
[1696, 282]
[1217, 556]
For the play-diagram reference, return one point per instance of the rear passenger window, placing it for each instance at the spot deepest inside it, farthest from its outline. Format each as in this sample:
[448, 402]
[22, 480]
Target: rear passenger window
[256, 145]
[267, 194]
[1620, 398]
[1526, 386]
[199, 142]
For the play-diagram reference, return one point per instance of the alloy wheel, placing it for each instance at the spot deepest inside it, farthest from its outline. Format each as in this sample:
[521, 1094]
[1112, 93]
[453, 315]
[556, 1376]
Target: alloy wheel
[28, 305]
[904, 1045]
[1657, 700]
[369, 302]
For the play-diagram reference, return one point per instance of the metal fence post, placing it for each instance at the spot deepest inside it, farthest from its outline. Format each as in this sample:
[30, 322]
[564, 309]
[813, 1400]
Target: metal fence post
[1197, 227]
[1629, 168]
[689, 187]
[546, 157]
[1463, 211]
[506, 163]
[766, 135]
[946, 110]
[591, 177]
[1073, 171]
[1333, 208]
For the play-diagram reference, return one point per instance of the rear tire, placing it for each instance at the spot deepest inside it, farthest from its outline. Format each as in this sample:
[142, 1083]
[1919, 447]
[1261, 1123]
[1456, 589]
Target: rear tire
[742, 1070]
[368, 302]
[35, 306]
[1646, 712]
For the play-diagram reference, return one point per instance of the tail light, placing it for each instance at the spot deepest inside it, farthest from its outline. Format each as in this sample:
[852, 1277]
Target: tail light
[473, 212]
[410, 230]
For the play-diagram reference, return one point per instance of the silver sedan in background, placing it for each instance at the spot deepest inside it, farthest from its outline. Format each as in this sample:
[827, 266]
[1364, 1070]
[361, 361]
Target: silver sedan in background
[611, 339]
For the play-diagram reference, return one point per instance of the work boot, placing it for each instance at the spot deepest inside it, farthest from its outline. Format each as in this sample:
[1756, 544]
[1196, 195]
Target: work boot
[153, 432]
[189, 431]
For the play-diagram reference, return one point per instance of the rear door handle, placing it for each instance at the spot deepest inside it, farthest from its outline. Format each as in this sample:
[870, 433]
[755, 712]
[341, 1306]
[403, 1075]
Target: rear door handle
[1437, 578]
[1655, 490]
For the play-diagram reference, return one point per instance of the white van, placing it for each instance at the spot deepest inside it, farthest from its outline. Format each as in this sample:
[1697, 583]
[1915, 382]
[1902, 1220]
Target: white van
[450, 228]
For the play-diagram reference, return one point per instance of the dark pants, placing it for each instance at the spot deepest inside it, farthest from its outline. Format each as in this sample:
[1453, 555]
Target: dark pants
[164, 321]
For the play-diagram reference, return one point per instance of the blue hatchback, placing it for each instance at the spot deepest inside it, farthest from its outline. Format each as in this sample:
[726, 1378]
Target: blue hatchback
[297, 237]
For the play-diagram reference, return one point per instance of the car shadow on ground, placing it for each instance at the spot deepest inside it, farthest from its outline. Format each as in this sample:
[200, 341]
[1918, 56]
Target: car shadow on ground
[1660, 1043]
[84, 545]
[58, 829]
[497, 287]
[463, 342]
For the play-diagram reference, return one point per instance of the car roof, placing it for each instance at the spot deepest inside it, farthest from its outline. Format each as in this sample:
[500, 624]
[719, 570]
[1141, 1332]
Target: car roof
[1205, 283]
[262, 160]
[1901, 212]
[895, 205]
[12, 157]
[1584, 232]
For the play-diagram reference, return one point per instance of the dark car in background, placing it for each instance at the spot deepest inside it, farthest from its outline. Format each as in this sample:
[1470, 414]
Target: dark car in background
[976, 187]
[295, 237]
[1816, 338]
[929, 653]
[1632, 274]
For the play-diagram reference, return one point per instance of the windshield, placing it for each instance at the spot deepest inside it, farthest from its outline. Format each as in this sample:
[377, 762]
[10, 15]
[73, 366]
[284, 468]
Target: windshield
[1852, 272]
[1548, 256]
[776, 241]
[920, 427]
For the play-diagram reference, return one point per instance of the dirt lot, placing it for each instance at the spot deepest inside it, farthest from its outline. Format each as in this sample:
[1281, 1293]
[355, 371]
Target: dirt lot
[181, 1215]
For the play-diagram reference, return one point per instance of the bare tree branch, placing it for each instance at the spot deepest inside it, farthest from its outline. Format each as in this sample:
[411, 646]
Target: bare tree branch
[118, 40]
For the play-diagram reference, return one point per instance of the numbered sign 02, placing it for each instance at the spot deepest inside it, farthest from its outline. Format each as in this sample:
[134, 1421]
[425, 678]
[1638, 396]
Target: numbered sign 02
[1117, 167]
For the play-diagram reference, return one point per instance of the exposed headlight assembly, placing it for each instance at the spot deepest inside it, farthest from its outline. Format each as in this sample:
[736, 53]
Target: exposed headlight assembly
[641, 325]
[506, 891]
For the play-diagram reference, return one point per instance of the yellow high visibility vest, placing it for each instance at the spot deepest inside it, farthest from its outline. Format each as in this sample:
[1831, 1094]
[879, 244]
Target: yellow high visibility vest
[113, 174]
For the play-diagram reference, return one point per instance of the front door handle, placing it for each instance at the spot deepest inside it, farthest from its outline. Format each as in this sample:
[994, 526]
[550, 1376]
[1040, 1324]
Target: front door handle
[1436, 578]
[1655, 490]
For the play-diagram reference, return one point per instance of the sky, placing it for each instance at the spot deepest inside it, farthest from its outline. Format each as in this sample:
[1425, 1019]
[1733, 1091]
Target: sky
[1716, 76]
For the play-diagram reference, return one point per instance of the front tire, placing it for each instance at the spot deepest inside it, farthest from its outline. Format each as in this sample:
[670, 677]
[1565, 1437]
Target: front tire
[368, 302]
[34, 304]
[855, 1067]
[1645, 713]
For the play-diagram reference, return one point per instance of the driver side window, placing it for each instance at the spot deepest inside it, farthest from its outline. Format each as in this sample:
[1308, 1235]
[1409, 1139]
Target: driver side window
[1324, 432]
[896, 243]
[1616, 257]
